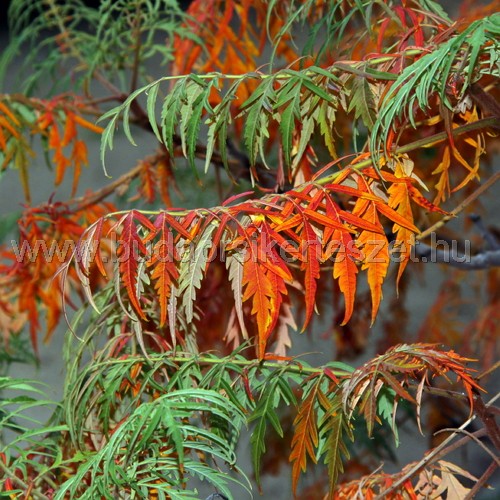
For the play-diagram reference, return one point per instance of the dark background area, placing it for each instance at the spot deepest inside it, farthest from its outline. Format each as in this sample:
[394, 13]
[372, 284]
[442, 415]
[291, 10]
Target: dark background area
[4, 6]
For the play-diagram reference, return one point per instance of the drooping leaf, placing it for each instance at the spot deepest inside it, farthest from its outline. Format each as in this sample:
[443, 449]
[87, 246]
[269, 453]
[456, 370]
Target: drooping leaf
[362, 102]
[275, 390]
[192, 268]
[256, 123]
[164, 264]
[259, 288]
[375, 249]
[234, 264]
[400, 201]
[345, 270]
[129, 253]
[305, 438]
[334, 428]
[311, 251]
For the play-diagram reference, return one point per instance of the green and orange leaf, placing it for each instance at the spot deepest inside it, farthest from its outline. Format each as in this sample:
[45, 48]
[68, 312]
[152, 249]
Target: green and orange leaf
[305, 438]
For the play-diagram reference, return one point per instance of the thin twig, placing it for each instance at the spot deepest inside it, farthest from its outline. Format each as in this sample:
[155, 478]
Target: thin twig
[478, 192]
[34, 492]
[86, 200]
[475, 437]
[481, 481]
[435, 454]
[489, 371]
[137, 48]
[459, 443]
[488, 418]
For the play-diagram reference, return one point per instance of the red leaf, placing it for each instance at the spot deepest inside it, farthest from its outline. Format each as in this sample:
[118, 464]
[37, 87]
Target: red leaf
[310, 248]
[417, 197]
[129, 253]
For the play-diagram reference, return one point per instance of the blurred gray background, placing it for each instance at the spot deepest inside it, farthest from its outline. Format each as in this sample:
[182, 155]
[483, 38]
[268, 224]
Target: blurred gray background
[318, 343]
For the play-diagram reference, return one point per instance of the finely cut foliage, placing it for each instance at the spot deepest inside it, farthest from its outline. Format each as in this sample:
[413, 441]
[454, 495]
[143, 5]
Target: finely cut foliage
[330, 138]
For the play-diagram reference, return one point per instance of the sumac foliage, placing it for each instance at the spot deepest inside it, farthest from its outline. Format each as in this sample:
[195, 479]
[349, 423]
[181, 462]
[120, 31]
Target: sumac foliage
[333, 141]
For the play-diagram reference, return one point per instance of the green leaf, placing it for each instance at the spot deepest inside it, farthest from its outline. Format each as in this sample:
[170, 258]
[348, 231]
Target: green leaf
[315, 89]
[169, 114]
[386, 409]
[234, 264]
[256, 107]
[287, 117]
[362, 102]
[192, 268]
[265, 411]
[430, 74]
[333, 428]
[190, 114]
[326, 120]
[152, 94]
[159, 437]
[306, 132]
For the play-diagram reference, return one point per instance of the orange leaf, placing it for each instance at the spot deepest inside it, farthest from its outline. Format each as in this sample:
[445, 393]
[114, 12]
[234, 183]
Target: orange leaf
[289, 223]
[395, 217]
[69, 130]
[345, 270]
[359, 223]
[4, 123]
[376, 258]
[3, 142]
[6, 111]
[61, 164]
[181, 229]
[353, 192]
[259, 288]
[399, 199]
[164, 178]
[27, 304]
[79, 157]
[54, 138]
[89, 126]
[147, 182]
[164, 265]
[323, 219]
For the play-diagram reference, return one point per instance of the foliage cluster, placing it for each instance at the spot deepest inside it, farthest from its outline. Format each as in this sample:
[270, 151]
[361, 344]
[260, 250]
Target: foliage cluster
[338, 136]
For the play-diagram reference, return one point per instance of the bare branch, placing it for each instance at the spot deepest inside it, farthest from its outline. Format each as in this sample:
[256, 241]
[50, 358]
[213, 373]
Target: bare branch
[454, 258]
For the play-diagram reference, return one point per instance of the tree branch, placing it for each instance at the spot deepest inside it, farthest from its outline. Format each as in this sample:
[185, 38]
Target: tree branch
[451, 256]
[481, 481]
[487, 235]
